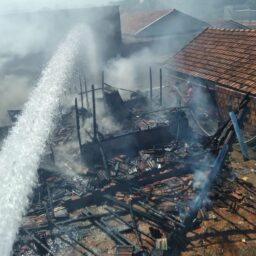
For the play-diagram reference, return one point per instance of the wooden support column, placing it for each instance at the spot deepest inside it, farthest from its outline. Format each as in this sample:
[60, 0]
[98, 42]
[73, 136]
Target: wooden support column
[81, 93]
[151, 83]
[78, 125]
[161, 87]
[103, 85]
[94, 115]
[86, 94]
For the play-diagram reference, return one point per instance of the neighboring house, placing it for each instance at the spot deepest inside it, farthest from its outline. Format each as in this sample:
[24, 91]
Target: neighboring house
[228, 24]
[165, 30]
[225, 61]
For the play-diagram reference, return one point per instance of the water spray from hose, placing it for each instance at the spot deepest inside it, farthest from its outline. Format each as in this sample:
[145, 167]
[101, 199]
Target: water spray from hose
[23, 148]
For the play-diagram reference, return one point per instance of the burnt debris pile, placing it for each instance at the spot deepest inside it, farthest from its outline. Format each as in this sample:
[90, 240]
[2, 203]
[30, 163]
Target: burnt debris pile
[145, 189]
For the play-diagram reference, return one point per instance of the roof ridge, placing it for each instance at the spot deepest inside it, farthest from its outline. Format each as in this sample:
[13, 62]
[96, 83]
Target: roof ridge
[149, 12]
[156, 20]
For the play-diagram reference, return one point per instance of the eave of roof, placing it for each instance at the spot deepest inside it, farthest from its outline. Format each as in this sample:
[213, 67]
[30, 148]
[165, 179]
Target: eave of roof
[210, 56]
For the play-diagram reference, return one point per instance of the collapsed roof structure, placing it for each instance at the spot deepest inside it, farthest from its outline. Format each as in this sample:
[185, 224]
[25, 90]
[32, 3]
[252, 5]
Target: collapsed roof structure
[139, 199]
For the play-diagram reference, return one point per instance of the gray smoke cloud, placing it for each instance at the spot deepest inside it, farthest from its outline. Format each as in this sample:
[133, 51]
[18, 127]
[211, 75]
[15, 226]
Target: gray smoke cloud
[30, 5]
[30, 33]
[131, 72]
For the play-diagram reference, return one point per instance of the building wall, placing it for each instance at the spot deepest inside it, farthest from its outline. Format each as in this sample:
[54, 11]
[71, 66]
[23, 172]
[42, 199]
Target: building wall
[228, 99]
[225, 98]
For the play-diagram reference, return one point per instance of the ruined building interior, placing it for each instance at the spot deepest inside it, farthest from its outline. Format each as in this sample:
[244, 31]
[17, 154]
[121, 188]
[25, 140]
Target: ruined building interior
[130, 147]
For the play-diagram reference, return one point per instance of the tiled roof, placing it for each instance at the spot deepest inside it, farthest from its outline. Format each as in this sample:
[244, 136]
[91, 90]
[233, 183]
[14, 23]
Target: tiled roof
[132, 23]
[227, 57]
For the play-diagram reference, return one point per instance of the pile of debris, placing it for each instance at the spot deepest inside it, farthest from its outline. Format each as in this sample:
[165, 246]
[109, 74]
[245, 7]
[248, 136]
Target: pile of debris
[157, 195]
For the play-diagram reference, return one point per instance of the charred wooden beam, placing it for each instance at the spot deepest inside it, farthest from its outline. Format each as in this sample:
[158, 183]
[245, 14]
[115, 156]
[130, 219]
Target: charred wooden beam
[86, 94]
[70, 244]
[135, 228]
[38, 242]
[218, 133]
[50, 200]
[81, 93]
[103, 85]
[94, 115]
[78, 125]
[148, 178]
[114, 235]
[151, 83]
[165, 226]
[76, 241]
[67, 222]
[159, 214]
[117, 215]
[161, 87]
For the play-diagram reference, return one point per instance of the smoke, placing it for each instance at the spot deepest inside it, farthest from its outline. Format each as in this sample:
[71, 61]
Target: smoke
[131, 72]
[12, 96]
[29, 39]
[31, 5]
[23, 148]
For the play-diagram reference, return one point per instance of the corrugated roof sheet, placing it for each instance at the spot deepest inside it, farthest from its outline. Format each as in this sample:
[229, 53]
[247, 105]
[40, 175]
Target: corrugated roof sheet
[223, 56]
[132, 23]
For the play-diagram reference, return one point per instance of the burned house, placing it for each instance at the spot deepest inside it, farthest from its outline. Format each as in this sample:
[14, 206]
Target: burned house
[222, 61]
[153, 186]
[165, 30]
[133, 136]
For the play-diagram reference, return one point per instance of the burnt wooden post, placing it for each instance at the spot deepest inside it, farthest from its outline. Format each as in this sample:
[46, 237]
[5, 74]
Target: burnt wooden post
[103, 85]
[151, 83]
[78, 125]
[94, 115]
[49, 194]
[161, 87]
[135, 228]
[52, 154]
[86, 94]
[81, 93]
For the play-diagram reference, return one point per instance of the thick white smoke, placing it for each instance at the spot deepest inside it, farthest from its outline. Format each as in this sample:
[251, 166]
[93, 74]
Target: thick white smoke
[23, 148]
[31, 5]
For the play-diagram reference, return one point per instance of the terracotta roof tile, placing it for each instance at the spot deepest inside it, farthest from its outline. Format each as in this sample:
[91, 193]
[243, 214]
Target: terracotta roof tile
[224, 56]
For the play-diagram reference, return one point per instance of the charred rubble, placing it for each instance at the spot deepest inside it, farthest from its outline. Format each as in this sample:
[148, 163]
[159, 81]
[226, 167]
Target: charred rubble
[137, 194]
